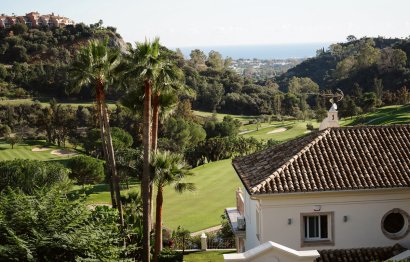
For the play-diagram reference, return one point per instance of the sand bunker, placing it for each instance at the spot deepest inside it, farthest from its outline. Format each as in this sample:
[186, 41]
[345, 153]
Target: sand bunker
[277, 130]
[63, 152]
[40, 149]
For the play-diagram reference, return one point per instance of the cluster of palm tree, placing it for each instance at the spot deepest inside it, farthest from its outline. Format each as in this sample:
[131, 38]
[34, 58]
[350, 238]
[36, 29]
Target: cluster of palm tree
[155, 79]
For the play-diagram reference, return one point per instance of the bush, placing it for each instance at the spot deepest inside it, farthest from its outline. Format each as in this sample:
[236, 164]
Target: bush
[86, 170]
[309, 126]
[169, 255]
[48, 227]
[30, 175]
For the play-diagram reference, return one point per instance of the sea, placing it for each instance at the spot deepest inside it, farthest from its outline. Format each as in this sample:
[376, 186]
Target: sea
[273, 51]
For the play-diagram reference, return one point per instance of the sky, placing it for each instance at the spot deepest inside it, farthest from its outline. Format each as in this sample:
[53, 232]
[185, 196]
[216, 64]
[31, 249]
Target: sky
[188, 23]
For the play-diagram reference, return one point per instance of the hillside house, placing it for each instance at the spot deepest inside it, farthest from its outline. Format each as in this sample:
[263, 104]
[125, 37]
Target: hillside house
[340, 188]
[35, 19]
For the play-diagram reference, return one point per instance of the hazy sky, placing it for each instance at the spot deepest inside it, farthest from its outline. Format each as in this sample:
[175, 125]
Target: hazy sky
[181, 23]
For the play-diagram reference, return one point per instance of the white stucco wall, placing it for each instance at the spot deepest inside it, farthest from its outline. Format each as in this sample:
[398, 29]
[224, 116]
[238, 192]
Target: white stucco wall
[251, 240]
[364, 211]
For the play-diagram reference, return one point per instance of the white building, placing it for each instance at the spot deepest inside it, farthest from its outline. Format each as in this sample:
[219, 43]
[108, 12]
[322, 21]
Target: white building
[339, 188]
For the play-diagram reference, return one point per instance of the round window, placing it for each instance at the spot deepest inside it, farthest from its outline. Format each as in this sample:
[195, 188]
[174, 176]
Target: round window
[395, 224]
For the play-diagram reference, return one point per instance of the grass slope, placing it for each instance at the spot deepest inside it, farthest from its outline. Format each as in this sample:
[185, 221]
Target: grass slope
[387, 115]
[216, 184]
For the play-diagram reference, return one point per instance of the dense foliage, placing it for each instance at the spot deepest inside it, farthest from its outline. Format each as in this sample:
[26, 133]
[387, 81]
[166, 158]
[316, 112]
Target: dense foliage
[31, 175]
[359, 67]
[46, 226]
[37, 59]
[86, 170]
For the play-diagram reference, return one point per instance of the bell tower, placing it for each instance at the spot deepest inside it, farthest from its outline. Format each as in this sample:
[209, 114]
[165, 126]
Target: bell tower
[332, 119]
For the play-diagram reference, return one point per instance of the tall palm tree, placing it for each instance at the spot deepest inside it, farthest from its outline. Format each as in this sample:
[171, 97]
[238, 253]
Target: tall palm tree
[169, 81]
[144, 63]
[169, 169]
[152, 67]
[95, 65]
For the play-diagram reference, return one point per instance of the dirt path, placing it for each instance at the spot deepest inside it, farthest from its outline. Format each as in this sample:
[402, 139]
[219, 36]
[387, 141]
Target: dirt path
[207, 230]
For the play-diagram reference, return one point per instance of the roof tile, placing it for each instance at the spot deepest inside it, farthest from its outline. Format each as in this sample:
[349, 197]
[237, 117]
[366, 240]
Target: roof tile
[345, 158]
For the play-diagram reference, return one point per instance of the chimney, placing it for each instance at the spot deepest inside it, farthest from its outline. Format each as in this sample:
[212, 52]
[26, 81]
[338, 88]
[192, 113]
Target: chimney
[332, 119]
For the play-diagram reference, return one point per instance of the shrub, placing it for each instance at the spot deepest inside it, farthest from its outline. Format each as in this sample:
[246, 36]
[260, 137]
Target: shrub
[48, 227]
[309, 126]
[169, 255]
[86, 170]
[30, 175]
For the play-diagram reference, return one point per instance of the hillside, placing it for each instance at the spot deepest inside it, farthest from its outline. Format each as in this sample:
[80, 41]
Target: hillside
[357, 62]
[34, 61]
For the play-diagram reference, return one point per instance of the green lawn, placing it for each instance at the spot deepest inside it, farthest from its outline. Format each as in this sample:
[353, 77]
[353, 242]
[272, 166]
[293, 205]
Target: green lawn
[46, 103]
[23, 151]
[293, 129]
[216, 184]
[387, 115]
[206, 256]
[220, 116]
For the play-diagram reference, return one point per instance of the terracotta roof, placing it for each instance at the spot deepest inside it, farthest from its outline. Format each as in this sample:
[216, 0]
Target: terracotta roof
[360, 254]
[345, 158]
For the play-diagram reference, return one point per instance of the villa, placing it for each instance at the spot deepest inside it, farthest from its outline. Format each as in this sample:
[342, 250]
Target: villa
[35, 19]
[339, 190]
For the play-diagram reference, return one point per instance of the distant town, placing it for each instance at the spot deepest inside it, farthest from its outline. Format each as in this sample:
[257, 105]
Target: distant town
[35, 19]
[264, 68]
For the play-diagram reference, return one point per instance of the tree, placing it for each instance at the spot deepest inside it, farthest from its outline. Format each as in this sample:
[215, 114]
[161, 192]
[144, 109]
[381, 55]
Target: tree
[30, 175]
[404, 95]
[180, 134]
[86, 170]
[198, 59]
[130, 164]
[19, 29]
[369, 101]
[168, 169]
[167, 82]
[215, 61]
[378, 90]
[351, 38]
[391, 60]
[13, 139]
[5, 131]
[228, 127]
[95, 65]
[143, 65]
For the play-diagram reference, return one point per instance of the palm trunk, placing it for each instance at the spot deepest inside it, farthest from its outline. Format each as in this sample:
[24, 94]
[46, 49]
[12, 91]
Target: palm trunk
[145, 181]
[155, 120]
[105, 153]
[158, 224]
[111, 156]
[110, 150]
[154, 141]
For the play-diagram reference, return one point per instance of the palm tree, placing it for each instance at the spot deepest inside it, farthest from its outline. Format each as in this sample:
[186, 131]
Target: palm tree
[169, 169]
[156, 74]
[169, 81]
[143, 64]
[95, 65]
